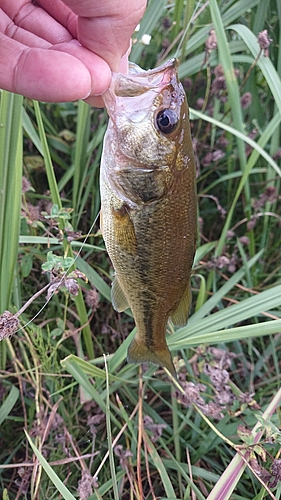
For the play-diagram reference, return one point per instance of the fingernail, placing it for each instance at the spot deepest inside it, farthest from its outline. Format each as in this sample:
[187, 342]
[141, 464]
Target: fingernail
[124, 62]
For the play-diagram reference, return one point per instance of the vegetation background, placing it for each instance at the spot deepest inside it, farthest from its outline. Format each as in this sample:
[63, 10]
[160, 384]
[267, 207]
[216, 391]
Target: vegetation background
[77, 424]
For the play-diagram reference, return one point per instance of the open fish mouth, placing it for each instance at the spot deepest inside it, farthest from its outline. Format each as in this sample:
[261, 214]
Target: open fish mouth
[138, 82]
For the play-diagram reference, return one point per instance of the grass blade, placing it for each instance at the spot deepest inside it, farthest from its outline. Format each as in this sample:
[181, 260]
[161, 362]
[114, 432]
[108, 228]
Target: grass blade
[10, 190]
[47, 158]
[67, 248]
[157, 462]
[231, 83]
[222, 292]
[248, 308]
[230, 477]
[150, 19]
[9, 403]
[264, 63]
[82, 138]
[64, 491]
[109, 437]
[228, 335]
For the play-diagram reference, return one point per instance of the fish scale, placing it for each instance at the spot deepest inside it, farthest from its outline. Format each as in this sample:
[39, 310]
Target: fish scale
[148, 205]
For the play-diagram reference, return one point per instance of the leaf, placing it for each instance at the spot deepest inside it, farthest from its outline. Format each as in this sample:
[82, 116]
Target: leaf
[10, 191]
[62, 489]
[209, 329]
[9, 403]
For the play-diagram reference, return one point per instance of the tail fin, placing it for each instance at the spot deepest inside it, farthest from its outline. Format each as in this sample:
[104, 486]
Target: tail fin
[138, 352]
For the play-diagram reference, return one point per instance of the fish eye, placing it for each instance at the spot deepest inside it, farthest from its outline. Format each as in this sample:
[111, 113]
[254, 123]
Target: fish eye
[167, 121]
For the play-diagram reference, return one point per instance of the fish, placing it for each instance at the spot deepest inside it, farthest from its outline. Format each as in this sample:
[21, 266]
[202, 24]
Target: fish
[149, 205]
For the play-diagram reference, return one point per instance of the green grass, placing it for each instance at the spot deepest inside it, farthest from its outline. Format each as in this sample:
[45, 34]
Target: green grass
[76, 421]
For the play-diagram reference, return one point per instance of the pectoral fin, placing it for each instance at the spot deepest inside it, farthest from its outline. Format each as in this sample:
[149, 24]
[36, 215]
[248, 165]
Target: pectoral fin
[118, 298]
[124, 231]
[180, 316]
[138, 352]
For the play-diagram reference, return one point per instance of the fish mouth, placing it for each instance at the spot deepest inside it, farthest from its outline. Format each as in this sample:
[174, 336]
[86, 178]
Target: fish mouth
[139, 83]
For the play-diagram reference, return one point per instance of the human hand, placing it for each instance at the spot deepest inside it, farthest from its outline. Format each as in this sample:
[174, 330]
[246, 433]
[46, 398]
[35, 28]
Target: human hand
[65, 50]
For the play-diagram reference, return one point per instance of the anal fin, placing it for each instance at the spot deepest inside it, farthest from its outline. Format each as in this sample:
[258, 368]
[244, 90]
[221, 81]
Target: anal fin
[180, 315]
[118, 297]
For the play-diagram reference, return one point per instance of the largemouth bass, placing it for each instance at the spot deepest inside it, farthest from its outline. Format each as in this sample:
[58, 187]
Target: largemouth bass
[148, 204]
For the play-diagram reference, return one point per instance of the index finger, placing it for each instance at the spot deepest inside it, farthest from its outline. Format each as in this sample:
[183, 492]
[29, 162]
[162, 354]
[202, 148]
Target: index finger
[48, 75]
[54, 26]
